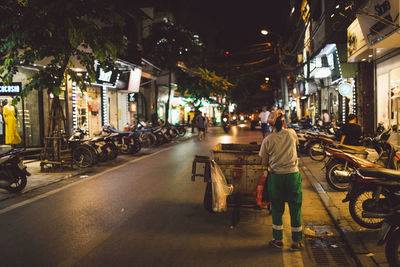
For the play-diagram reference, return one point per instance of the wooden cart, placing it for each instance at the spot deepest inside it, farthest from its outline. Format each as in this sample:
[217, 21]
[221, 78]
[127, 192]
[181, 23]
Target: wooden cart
[242, 168]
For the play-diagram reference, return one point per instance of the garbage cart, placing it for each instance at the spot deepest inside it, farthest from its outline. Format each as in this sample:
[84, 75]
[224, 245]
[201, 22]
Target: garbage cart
[242, 168]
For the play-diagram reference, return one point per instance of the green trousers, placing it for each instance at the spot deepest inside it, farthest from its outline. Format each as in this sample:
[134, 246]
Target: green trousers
[286, 188]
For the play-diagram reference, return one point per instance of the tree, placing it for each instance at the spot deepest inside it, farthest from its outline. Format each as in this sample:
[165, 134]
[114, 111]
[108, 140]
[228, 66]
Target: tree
[203, 83]
[168, 44]
[61, 36]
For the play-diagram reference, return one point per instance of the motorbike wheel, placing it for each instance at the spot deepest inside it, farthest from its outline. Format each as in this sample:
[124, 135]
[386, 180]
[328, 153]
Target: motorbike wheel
[152, 138]
[127, 147]
[103, 155]
[392, 249]
[181, 131]
[82, 157]
[112, 151]
[316, 151]
[356, 207]
[19, 184]
[137, 146]
[338, 183]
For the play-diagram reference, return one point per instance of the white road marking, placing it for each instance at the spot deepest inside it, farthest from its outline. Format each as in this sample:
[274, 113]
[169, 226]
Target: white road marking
[26, 202]
[290, 258]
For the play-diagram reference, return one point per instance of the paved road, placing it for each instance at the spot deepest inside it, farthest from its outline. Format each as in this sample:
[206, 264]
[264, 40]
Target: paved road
[143, 213]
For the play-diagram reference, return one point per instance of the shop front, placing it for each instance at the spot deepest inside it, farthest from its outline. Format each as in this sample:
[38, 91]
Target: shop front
[388, 93]
[21, 125]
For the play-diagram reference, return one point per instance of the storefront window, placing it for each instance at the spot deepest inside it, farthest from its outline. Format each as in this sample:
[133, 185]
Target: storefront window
[8, 136]
[32, 122]
[395, 97]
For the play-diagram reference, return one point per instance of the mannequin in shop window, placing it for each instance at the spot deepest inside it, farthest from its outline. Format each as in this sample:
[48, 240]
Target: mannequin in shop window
[12, 136]
[2, 126]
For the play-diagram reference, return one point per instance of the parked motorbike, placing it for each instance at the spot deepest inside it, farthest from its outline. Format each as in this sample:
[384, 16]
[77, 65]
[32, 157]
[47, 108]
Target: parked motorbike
[343, 161]
[105, 146]
[84, 155]
[390, 234]
[13, 172]
[127, 142]
[372, 194]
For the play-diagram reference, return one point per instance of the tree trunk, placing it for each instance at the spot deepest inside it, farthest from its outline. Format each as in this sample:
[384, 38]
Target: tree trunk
[169, 96]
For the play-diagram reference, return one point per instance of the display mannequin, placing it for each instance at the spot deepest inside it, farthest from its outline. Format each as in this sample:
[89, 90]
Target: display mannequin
[12, 136]
[2, 126]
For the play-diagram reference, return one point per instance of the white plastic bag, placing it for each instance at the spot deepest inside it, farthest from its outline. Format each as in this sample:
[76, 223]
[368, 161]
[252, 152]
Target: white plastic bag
[220, 188]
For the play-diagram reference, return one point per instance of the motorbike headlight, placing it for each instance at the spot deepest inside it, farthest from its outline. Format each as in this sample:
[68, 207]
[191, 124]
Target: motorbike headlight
[234, 117]
[225, 119]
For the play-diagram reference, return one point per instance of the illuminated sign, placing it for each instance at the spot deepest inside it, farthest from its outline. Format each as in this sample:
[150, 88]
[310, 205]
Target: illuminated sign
[345, 89]
[134, 80]
[11, 89]
[132, 97]
[108, 78]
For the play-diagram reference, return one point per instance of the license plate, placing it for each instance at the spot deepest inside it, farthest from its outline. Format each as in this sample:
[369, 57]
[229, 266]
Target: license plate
[108, 149]
[383, 232]
[21, 165]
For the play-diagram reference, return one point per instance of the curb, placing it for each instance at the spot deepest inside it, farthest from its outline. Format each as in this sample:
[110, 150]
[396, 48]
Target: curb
[338, 220]
[44, 185]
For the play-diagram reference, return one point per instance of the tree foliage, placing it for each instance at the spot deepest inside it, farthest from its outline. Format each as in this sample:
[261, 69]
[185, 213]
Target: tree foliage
[61, 36]
[203, 83]
[168, 44]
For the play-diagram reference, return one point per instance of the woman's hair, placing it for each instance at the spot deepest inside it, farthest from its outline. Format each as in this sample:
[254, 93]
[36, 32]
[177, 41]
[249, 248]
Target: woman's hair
[278, 123]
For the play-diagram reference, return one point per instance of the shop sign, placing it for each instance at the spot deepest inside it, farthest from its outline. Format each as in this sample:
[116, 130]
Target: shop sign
[305, 10]
[134, 80]
[355, 40]
[378, 20]
[345, 89]
[11, 89]
[108, 78]
[131, 97]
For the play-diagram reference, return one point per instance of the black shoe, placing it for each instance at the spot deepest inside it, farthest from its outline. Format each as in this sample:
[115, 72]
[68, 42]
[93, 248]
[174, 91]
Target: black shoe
[276, 243]
[296, 246]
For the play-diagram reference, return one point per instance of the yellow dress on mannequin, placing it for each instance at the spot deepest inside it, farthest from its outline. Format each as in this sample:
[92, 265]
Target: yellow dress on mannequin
[12, 136]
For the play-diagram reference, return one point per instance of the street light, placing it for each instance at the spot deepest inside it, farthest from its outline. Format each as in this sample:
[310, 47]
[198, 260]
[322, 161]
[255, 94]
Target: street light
[264, 32]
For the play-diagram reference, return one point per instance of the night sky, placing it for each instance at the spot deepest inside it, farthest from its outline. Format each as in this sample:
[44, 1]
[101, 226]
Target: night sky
[234, 24]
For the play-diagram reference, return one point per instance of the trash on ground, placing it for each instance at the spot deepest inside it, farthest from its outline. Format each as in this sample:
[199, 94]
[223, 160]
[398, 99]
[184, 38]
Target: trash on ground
[308, 231]
[122, 210]
[84, 176]
[370, 255]
[334, 246]
[329, 234]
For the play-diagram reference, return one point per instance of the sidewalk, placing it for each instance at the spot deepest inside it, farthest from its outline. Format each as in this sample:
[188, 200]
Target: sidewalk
[40, 179]
[361, 240]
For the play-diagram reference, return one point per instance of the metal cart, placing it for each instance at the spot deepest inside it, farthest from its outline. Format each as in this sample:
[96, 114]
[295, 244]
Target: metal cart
[242, 168]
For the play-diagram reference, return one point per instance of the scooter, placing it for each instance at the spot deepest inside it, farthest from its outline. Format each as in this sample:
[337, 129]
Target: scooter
[372, 194]
[343, 161]
[225, 125]
[390, 234]
[13, 172]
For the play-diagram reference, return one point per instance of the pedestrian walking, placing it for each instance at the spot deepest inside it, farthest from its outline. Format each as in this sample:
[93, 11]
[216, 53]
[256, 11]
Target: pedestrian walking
[206, 125]
[201, 126]
[188, 120]
[278, 152]
[264, 121]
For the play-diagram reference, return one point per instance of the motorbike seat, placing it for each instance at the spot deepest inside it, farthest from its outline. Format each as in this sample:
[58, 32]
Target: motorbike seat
[359, 148]
[384, 173]
[98, 138]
